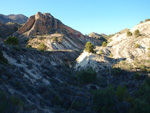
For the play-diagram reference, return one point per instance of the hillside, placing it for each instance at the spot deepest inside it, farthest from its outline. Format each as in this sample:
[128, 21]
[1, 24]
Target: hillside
[48, 67]
[44, 28]
[20, 19]
[8, 29]
[121, 46]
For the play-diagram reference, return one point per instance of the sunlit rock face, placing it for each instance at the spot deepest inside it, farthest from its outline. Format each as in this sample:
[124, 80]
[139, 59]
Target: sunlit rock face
[45, 24]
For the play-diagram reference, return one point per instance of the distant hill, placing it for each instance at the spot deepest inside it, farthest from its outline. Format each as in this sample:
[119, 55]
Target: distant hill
[95, 35]
[20, 18]
[8, 29]
[101, 36]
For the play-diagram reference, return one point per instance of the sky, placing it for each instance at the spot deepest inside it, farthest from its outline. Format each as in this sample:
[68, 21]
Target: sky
[86, 16]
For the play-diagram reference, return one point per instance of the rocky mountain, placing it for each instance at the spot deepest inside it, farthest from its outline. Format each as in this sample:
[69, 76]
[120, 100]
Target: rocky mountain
[20, 19]
[45, 24]
[44, 28]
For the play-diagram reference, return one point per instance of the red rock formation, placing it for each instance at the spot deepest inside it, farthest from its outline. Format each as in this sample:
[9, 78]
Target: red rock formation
[45, 24]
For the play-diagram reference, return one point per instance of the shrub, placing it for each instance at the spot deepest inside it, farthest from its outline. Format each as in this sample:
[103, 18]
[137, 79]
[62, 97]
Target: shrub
[111, 55]
[147, 81]
[122, 93]
[104, 44]
[140, 106]
[141, 103]
[137, 75]
[128, 34]
[12, 40]
[59, 40]
[136, 33]
[54, 39]
[104, 100]
[87, 76]
[57, 32]
[2, 58]
[41, 47]
[116, 71]
[141, 21]
[41, 38]
[146, 20]
[28, 46]
[10, 104]
[100, 52]
[89, 47]
[137, 45]
[143, 68]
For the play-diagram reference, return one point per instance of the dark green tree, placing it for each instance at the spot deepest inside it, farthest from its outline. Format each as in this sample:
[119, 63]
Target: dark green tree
[12, 40]
[89, 47]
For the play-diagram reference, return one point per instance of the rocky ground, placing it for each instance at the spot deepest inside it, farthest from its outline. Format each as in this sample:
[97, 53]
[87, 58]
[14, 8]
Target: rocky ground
[44, 81]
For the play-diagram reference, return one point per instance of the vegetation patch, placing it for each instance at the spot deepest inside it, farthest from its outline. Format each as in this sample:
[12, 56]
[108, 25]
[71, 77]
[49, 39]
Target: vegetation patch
[100, 52]
[146, 20]
[54, 39]
[57, 39]
[116, 71]
[111, 55]
[29, 46]
[12, 40]
[136, 33]
[87, 76]
[104, 100]
[89, 47]
[137, 45]
[137, 75]
[122, 94]
[10, 104]
[104, 44]
[41, 38]
[128, 33]
[42, 47]
[2, 58]
[141, 102]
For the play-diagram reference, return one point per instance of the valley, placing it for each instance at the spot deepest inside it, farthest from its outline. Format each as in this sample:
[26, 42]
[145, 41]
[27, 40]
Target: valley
[48, 67]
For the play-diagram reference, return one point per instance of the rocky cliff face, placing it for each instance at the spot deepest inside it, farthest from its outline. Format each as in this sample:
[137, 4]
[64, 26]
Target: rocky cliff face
[20, 19]
[44, 28]
[44, 24]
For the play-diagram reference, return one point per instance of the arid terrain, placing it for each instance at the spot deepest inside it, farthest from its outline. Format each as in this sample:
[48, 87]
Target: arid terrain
[49, 67]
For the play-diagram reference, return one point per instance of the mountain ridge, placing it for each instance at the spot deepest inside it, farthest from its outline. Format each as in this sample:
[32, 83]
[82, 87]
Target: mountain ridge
[17, 18]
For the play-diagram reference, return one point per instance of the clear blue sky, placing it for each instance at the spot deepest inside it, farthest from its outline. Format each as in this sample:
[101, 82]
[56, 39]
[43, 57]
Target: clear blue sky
[101, 16]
